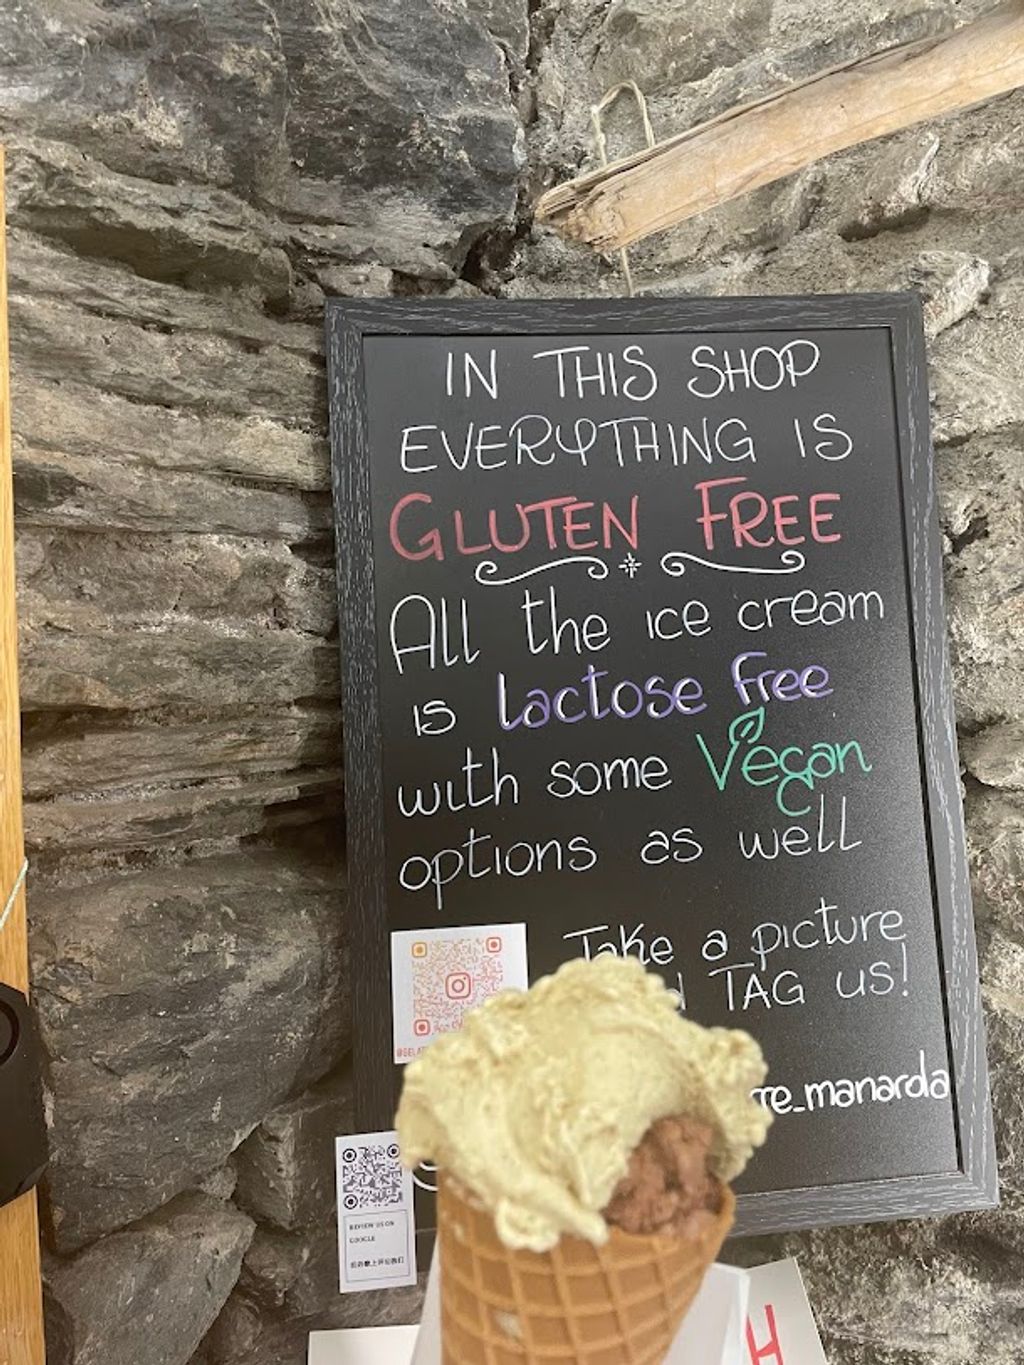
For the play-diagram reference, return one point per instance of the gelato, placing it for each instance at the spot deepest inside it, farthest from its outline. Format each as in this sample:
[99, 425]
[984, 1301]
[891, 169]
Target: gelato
[539, 1103]
[668, 1186]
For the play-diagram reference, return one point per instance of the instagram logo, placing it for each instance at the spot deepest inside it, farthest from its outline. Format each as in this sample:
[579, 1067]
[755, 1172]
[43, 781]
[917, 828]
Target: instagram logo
[458, 986]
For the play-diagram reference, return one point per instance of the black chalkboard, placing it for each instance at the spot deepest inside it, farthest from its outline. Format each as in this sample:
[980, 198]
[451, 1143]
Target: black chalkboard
[739, 761]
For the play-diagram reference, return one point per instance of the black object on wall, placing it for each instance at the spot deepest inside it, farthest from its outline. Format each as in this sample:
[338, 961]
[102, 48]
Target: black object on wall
[735, 498]
[23, 1149]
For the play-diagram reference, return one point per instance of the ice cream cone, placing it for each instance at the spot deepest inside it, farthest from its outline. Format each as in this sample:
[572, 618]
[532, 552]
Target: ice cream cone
[620, 1303]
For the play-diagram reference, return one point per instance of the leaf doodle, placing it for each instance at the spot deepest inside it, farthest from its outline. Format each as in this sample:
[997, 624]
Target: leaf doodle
[748, 727]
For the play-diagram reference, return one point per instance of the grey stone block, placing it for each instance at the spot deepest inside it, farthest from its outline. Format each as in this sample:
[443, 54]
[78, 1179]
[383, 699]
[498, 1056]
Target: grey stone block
[150, 1292]
[177, 1008]
[286, 1167]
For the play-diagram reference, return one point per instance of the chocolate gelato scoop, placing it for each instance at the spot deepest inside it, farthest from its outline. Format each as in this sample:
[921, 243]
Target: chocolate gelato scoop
[669, 1186]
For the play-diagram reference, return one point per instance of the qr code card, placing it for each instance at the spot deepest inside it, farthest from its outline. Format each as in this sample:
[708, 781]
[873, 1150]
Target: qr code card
[437, 975]
[376, 1232]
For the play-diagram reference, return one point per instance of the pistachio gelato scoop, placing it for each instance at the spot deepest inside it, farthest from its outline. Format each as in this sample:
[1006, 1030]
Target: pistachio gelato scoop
[538, 1102]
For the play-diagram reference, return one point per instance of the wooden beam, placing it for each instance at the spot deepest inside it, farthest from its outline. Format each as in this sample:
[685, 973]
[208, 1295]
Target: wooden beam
[21, 1299]
[754, 144]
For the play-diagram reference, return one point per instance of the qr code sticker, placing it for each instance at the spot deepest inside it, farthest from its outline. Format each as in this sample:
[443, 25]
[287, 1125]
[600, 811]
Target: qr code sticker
[376, 1215]
[451, 977]
[439, 975]
[371, 1176]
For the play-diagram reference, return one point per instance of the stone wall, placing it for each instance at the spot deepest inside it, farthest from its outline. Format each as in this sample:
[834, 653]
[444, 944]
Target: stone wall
[187, 180]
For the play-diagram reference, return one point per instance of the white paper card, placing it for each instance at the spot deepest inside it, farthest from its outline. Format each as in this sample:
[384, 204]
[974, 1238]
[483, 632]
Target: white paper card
[780, 1324]
[428, 1343]
[376, 1231]
[713, 1329]
[439, 974]
[362, 1346]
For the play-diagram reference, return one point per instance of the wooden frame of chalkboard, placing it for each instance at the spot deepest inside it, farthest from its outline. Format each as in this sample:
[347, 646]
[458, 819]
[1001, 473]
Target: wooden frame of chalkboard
[349, 322]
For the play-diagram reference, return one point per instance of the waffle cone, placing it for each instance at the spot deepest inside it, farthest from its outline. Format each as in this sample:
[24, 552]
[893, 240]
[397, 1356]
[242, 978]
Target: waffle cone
[617, 1304]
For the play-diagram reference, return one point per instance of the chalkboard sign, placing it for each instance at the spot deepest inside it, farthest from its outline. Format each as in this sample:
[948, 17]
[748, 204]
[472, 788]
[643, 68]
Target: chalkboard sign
[643, 650]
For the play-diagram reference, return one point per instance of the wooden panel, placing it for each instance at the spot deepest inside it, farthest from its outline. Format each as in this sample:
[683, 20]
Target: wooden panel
[21, 1310]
